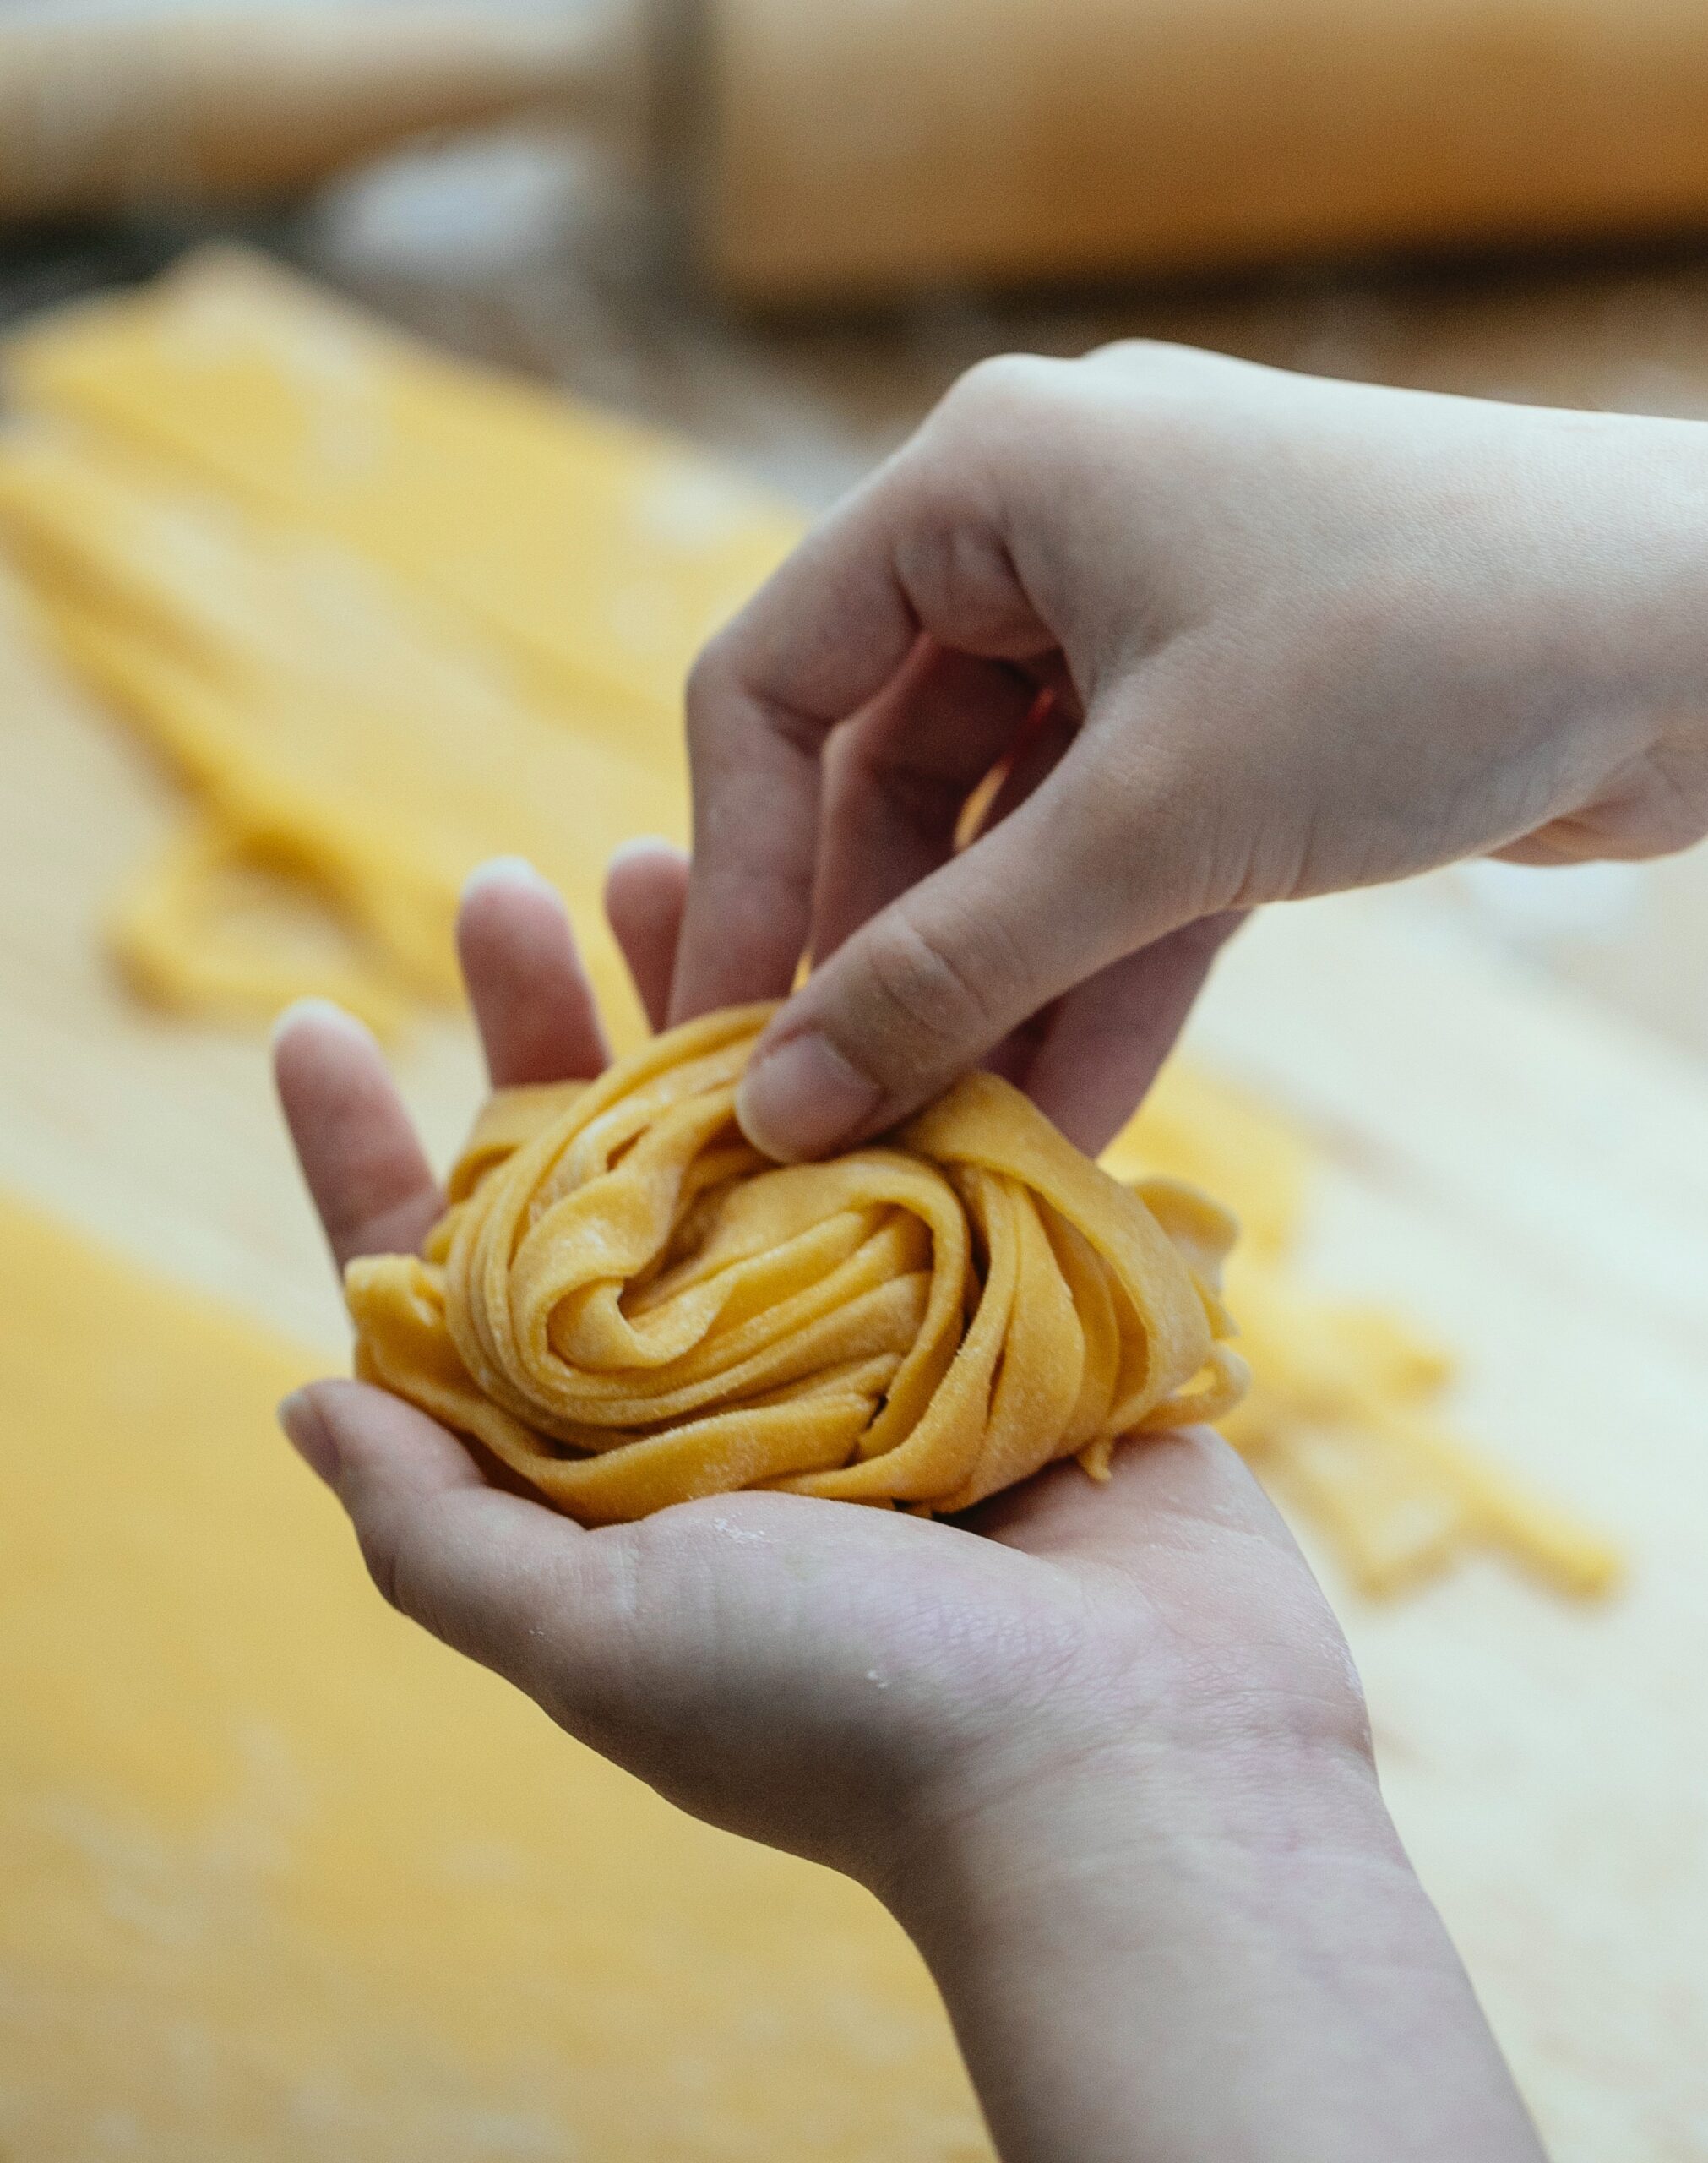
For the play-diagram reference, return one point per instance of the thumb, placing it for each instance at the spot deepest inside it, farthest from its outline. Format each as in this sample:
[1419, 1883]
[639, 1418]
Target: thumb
[930, 985]
[496, 1575]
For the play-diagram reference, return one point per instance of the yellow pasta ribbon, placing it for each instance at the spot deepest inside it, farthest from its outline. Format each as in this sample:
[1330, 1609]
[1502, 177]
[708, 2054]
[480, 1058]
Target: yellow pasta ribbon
[388, 614]
[1342, 1420]
[629, 1306]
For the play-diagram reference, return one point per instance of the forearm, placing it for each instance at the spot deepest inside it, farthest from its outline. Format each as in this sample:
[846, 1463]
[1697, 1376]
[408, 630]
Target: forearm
[1243, 1970]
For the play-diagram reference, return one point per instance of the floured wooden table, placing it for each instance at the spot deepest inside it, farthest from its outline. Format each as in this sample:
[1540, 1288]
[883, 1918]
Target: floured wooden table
[1510, 1156]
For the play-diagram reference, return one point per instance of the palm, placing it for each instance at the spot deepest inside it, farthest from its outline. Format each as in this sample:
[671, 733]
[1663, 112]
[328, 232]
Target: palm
[780, 1665]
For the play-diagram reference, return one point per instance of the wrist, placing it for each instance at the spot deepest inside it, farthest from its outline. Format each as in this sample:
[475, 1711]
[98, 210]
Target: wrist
[1009, 1851]
[1224, 1955]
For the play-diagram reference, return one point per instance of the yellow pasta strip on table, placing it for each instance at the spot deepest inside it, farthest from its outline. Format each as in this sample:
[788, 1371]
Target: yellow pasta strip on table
[281, 1881]
[387, 614]
[630, 1307]
[600, 553]
[335, 732]
[1340, 1417]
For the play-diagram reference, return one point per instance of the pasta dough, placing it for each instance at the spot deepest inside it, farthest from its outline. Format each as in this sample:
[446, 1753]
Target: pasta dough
[281, 1881]
[388, 614]
[631, 1307]
[336, 738]
[1341, 1418]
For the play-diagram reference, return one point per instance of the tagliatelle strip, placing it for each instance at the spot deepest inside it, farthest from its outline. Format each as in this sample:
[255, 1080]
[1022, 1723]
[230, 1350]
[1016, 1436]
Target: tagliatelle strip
[387, 614]
[1342, 1417]
[630, 1306]
[338, 737]
[595, 554]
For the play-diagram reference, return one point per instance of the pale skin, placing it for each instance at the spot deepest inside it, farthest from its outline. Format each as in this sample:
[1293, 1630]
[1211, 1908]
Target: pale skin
[1101, 1750]
[1299, 636]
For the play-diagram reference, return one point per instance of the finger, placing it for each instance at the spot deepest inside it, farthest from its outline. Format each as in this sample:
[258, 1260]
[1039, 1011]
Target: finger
[645, 893]
[371, 1185]
[818, 640]
[495, 1576]
[1040, 748]
[1108, 1037]
[919, 549]
[898, 779]
[533, 1004]
[1088, 868]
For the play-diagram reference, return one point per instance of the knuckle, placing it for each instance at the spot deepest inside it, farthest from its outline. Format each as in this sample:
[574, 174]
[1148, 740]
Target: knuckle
[395, 1543]
[1154, 357]
[380, 1552]
[726, 707]
[1168, 375]
[929, 996]
[408, 1564]
[711, 678]
[1000, 391]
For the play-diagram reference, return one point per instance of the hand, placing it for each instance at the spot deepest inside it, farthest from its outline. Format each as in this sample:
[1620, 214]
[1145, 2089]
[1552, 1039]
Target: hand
[815, 1675]
[1084, 1708]
[1242, 635]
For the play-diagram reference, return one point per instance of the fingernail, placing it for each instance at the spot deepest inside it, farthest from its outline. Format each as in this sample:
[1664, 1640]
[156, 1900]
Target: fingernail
[316, 1010]
[307, 1433]
[497, 870]
[646, 845]
[803, 1098]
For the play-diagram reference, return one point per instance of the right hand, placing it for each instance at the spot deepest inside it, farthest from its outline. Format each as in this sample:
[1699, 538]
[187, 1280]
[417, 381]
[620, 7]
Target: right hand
[1296, 635]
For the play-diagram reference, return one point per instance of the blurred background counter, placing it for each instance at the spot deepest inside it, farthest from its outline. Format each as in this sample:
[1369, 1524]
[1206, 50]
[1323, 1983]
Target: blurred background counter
[1506, 1071]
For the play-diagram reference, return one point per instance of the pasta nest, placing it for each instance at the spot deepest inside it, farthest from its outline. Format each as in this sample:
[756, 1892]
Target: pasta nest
[630, 1306]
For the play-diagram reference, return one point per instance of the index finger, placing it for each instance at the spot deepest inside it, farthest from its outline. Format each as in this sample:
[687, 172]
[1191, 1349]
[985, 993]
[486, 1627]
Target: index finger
[916, 550]
[819, 640]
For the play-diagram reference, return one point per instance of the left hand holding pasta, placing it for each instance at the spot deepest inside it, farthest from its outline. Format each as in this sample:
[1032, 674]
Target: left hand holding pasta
[1101, 1749]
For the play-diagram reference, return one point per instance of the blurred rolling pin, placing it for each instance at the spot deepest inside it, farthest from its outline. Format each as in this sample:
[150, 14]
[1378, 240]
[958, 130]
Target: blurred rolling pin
[103, 108]
[831, 151]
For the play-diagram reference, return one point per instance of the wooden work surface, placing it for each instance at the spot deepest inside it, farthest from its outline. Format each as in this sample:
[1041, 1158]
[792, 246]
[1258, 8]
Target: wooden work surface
[1519, 1159]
